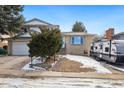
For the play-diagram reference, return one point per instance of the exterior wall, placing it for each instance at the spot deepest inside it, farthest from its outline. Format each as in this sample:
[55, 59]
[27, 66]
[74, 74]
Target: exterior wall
[88, 41]
[3, 43]
[83, 49]
[9, 47]
[109, 33]
[73, 49]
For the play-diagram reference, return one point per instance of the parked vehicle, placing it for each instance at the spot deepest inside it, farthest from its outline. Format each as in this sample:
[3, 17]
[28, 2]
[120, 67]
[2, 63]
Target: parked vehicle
[111, 51]
[3, 51]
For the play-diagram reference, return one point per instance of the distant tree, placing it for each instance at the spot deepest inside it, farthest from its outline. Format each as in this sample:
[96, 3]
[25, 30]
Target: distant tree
[79, 27]
[45, 44]
[11, 19]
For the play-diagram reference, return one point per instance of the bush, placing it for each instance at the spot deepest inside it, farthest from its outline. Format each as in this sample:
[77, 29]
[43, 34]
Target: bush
[45, 44]
[3, 51]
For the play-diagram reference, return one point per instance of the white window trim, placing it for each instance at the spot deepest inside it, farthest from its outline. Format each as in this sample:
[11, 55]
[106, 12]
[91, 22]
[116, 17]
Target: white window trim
[81, 38]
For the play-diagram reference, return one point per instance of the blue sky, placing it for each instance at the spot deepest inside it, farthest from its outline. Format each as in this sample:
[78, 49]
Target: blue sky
[96, 18]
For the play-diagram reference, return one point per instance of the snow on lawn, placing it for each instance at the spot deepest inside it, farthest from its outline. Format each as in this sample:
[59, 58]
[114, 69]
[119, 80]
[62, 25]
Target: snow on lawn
[35, 61]
[88, 62]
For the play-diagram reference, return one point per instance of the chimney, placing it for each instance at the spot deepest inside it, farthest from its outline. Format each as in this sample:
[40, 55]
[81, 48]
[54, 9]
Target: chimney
[109, 33]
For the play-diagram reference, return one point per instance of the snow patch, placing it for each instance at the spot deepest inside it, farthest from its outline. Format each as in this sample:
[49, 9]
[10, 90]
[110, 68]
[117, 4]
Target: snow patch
[35, 61]
[27, 67]
[88, 62]
[54, 63]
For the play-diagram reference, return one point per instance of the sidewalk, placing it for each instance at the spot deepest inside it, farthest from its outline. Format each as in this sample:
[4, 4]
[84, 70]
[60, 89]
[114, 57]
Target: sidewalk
[23, 74]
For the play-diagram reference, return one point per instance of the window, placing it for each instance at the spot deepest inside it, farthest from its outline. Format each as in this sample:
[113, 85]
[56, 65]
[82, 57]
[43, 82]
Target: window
[101, 46]
[91, 47]
[106, 49]
[96, 47]
[76, 40]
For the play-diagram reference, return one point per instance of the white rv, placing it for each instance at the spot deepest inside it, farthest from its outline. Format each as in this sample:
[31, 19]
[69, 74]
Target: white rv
[111, 51]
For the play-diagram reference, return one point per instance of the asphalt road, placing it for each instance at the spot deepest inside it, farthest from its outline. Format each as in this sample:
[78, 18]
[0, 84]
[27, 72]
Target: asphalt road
[116, 68]
[60, 83]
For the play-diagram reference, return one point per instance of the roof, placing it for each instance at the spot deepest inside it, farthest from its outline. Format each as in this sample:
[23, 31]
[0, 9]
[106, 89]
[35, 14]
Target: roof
[37, 22]
[121, 33]
[4, 36]
[27, 34]
[22, 35]
[77, 33]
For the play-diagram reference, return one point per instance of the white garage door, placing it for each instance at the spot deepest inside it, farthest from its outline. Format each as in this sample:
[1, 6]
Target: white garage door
[20, 48]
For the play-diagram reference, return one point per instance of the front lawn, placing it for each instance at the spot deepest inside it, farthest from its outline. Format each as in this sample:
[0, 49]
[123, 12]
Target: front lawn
[65, 65]
[68, 63]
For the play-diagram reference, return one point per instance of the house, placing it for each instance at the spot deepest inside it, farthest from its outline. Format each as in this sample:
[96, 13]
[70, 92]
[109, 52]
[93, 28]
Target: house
[77, 43]
[119, 36]
[109, 35]
[73, 42]
[18, 44]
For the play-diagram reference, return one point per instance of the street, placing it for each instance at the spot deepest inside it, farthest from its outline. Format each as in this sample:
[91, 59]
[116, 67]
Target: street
[51, 82]
[115, 68]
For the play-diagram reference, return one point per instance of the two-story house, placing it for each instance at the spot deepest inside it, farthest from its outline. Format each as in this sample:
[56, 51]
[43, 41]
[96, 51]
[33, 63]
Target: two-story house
[18, 44]
[77, 43]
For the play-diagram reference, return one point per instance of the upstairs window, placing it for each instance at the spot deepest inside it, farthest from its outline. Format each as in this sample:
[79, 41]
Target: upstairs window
[106, 49]
[96, 47]
[77, 40]
[101, 46]
[91, 47]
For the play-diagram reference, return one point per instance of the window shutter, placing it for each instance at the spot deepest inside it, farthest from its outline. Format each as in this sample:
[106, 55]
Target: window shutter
[72, 40]
[81, 40]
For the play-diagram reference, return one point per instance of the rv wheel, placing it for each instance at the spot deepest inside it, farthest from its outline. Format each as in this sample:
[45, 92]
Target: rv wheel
[97, 59]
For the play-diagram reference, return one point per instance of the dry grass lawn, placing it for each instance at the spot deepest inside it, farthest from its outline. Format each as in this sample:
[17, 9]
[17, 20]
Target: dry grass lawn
[65, 65]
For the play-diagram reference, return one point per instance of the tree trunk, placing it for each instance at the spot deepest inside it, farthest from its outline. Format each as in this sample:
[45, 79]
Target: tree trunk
[54, 57]
[31, 59]
[41, 59]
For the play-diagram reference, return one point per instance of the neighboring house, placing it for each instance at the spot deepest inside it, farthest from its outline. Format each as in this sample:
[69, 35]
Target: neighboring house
[4, 41]
[18, 44]
[109, 35]
[119, 36]
[77, 43]
[73, 42]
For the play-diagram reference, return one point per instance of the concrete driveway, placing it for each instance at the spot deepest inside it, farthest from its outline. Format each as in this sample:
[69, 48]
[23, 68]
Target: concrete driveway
[13, 62]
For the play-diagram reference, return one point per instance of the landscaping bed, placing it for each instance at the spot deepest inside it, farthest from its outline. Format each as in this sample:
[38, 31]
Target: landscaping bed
[59, 65]
[68, 63]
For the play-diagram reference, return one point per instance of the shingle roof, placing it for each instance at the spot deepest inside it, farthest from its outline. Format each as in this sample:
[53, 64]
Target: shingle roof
[4, 36]
[35, 19]
[119, 34]
[76, 33]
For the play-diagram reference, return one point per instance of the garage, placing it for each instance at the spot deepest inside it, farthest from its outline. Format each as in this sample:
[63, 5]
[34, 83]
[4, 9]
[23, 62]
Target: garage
[20, 48]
